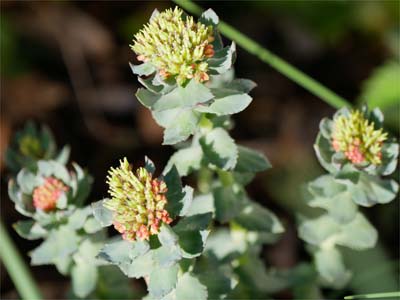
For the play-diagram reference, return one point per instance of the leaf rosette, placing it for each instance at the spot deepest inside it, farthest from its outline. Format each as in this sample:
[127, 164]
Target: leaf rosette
[356, 138]
[357, 152]
[49, 193]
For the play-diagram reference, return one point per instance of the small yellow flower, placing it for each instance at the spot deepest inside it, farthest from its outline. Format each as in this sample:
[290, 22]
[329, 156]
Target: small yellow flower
[137, 201]
[176, 45]
[356, 137]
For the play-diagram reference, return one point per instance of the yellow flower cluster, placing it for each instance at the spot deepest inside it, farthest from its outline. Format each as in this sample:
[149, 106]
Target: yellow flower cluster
[176, 46]
[356, 137]
[137, 201]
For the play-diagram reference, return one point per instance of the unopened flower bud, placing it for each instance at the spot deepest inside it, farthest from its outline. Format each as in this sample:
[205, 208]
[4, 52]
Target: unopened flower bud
[45, 196]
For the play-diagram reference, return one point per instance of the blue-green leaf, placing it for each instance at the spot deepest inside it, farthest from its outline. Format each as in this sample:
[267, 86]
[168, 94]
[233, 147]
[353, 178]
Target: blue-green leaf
[358, 234]
[184, 97]
[371, 190]
[318, 230]
[189, 287]
[143, 69]
[84, 278]
[209, 17]
[186, 160]
[60, 243]
[223, 59]
[179, 198]
[241, 85]
[255, 217]
[146, 97]
[228, 105]
[330, 266]
[220, 149]
[30, 230]
[101, 213]
[251, 161]
[162, 281]
[228, 203]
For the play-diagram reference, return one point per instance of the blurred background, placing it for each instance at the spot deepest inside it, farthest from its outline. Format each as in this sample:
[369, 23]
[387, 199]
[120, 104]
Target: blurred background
[66, 64]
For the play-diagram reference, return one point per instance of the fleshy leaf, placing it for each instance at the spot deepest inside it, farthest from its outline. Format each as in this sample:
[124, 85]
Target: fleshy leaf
[149, 165]
[201, 204]
[179, 198]
[179, 124]
[223, 60]
[242, 85]
[162, 281]
[255, 217]
[324, 152]
[84, 278]
[143, 69]
[117, 251]
[341, 206]
[146, 97]
[371, 190]
[60, 243]
[209, 17]
[220, 149]
[390, 154]
[30, 230]
[186, 160]
[192, 232]
[318, 230]
[228, 203]
[228, 105]
[358, 234]
[102, 214]
[189, 287]
[139, 267]
[330, 266]
[251, 161]
[184, 97]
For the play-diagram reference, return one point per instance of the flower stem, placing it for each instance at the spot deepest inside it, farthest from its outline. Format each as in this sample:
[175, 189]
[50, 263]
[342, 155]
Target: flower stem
[273, 60]
[16, 267]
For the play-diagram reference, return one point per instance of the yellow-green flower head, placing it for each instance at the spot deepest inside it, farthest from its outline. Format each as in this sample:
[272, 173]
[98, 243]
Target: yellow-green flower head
[176, 45]
[357, 138]
[137, 201]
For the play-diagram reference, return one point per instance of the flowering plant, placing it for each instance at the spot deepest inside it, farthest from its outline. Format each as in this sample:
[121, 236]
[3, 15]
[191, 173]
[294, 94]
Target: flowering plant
[200, 242]
[53, 198]
[357, 153]
[169, 231]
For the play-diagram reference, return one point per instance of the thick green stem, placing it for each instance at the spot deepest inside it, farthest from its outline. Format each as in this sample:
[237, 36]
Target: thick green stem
[274, 61]
[204, 180]
[16, 267]
[225, 177]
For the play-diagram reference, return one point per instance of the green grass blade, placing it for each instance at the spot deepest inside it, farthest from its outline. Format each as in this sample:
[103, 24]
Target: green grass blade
[391, 295]
[16, 267]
